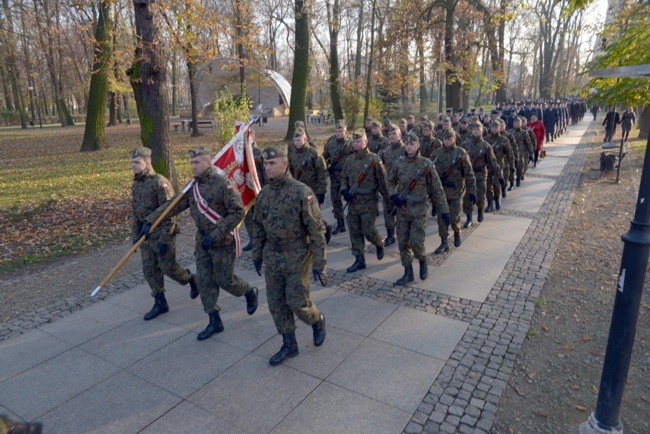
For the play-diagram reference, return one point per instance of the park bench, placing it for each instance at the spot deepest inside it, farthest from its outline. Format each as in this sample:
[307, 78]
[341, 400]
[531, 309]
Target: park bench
[202, 123]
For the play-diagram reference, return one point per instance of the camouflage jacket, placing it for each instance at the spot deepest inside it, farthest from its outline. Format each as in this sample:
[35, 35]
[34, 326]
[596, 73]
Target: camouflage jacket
[487, 160]
[513, 144]
[374, 181]
[531, 134]
[221, 197]
[428, 145]
[462, 175]
[405, 170]
[522, 139]
[377, 143]
[464, 136]
[148, 192]
[259, 165]
[312, 167]
[441, 134]
[287, 226]
[332, 149]
[502, 150]
[390, 154]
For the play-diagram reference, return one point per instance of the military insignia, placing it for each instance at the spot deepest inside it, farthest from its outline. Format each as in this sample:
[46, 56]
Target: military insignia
[310, 198]
[165, 186]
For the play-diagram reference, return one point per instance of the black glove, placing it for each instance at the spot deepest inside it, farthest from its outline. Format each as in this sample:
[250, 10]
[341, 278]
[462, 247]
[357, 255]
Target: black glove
[397, 201]
[448, 183]
[321, 198]
[446, 219]
[162, 249]
[530, 159]
[320, 275]
[347, 196]
[433, 210]
[146, 227]
[472, 198]
[502, 182]
[207, 242]
[258, 266]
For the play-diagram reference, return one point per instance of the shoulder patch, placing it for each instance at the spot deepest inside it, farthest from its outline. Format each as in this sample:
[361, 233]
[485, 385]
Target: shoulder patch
[310, 198]
[165, 186]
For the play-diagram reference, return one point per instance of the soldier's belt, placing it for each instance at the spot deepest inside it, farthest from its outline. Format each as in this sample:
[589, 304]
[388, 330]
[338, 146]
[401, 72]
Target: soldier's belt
[413, 198]
[281, 246]
[336, 168]
[478, 168]
[364, 191]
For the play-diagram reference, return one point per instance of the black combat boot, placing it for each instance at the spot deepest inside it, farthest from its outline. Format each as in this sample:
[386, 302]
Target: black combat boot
[251, 300]
[359, 264]
[504, 193]
[511, 187]
[497, 203]
[443, 247]
[490, 206]
[468, 222]
[380, 252]
[248, 247]
[319, 331]
[480, 215]
[457, 239]
[518, 181]
[328, 233]
[424, 269]
[194, 287]
[390, 239]
[340, 227]
[215, 326]
[407, 277]
[159, 307]
[289, 349]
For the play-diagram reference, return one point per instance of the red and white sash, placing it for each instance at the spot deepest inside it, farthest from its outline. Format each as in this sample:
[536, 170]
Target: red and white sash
[213, 216]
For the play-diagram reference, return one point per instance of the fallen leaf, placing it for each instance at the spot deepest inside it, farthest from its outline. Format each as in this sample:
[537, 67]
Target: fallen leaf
[584, 339]
[580, 407]
[645, 399]
[531, 375]
[540, 414]
[594, 389]
[518, 391]
[575, 387]
[568, 347]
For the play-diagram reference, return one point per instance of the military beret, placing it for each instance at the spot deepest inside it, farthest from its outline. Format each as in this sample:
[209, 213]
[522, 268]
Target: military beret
[494, 112]
[449, 110]
[274, 151]
[424, 117]
[201, 150]
[450, 133]
[359, 133]
[140, 151]
[427, 124]
[376, 124]
[392, 127]
[386, 122]
[369, 119]
[299, 124]
[412, 138]
[494, 123]
[464, 121]
[446, 119]
[411, 118]
[340, 124]
[402, 121]
[518, 118]
[299, 132]
[441, 117]
[477, 124]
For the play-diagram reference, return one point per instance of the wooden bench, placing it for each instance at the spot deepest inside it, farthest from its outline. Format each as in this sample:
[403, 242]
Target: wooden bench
[202, 123]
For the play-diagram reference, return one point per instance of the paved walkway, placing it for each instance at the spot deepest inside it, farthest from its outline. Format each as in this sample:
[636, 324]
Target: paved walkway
[431, 357]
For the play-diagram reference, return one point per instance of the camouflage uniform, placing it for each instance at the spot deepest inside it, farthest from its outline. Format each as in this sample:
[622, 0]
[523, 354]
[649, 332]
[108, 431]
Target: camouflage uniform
[412, 221]
[526, 150]
[389, 156]
[215, 267]
[259, 167]
[428, 145]
[464, 135]
[148, 192]
[515, 156]
[505, 159]
[474, 146]
[377, 143]
[363, 212]
[335, 148]
[312, 167]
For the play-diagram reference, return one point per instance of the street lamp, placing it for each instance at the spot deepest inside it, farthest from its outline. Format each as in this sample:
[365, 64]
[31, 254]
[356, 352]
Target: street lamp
[31, 104]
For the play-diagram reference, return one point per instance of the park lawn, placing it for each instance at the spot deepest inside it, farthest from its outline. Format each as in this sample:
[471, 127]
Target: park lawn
[55, 200]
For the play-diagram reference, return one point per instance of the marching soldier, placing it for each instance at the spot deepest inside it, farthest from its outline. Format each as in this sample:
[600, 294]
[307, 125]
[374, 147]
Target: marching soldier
[308, 166]
[288, 236]
[363, 177]
[481, 155]
[389, 156]
[505, 159]
[457, 177]
[217, 209]
[148, 192]
[515, 152]
[412, 183]
[428, 143]
[377, 140]
[403, 127]
[367, 125]
[259, 168]
[337, 149]
[464, 131]
[525, 147]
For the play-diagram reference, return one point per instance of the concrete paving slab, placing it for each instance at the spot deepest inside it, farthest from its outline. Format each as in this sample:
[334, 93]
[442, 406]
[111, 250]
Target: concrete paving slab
[354, 313]
[137, 299]
[188, 418]
[24, 352]
[497, 250]
[246, 332]
[5, 411]
[313, 360]
[186, 365]
[500, 227]
[133, 341]
[35, 392]
[254, 395]
[387, 373]
[334, 410]
[89, 323]
[531, 196]
[559, 151]
[132, 404]
[422, 332]
[189, 313]
[549, 166]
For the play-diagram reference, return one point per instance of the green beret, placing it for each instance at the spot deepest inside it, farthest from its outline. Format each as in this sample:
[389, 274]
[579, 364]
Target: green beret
[411, 117]
[299, 132]
[446, 119]
[518, 118]
[424, 117]
[376, 124]
[274, 151]
[340, 124]
[369, 119]
[477, 124]
[427, 124]
[412, 138]
[299, 124]
[359, 133]
[140, 151]
[450, 133]
[201, 150]
[402, 121]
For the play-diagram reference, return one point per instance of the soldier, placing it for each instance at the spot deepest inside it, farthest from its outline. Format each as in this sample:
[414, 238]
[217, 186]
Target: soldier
[410, 124]
[363, 176]
[149, 191]
[288, 235]
[481, 155]
[403, 127]
[515, 152]
[368, 125]
[217, 209]
[412, 181]
[377, 140]
[308, 166]
[259, 168]
[428, 143]
[337, 150]
[455, 122]
[457, 177]
[446, 126]
[525, 147]
[464, 131]
[505, 159]
[388, 156]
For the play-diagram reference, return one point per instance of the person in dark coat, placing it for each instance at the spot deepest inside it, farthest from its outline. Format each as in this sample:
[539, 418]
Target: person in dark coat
[611, 120]
[549, 118]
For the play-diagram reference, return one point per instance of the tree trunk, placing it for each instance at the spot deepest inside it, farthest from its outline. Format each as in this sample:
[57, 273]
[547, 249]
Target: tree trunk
[300, 67]
[357, 57]
[644, 123]
[174, 86]
[94, 137]
[366, 107]
[191, 72]
[10, 63]
[453, 85]
[152, 75]
[334, 21]
[424, 100]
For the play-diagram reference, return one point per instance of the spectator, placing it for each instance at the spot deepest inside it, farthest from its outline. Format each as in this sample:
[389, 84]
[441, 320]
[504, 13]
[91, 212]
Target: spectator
[538, 128]
[611, 120]
[627, 120]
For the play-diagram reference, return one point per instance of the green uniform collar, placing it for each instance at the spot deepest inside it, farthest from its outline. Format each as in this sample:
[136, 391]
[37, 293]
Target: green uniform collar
[144, 174]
